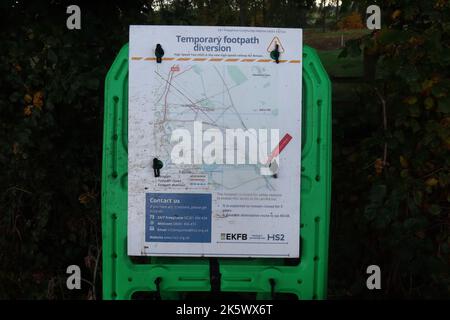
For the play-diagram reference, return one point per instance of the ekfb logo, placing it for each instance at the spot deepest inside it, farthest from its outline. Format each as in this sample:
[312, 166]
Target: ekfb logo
[233, 236]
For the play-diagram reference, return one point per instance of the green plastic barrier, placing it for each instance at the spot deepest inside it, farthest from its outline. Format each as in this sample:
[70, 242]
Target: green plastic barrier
[127, 277]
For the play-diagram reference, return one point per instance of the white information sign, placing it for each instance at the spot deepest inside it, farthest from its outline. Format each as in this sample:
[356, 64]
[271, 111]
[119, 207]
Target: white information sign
[219, 108]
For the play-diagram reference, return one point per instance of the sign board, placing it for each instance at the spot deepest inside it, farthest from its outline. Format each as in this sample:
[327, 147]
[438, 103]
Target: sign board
[223, 119]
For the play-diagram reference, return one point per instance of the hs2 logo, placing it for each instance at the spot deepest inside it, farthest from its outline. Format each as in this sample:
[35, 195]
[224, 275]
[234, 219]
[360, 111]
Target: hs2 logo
[275, 237]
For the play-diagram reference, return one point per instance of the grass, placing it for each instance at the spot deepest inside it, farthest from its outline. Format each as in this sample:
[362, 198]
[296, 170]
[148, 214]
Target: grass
[319, 34]
[341, 67]
[330, 40]
[328, 46]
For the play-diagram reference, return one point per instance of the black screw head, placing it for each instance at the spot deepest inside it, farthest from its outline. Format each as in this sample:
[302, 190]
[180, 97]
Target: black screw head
[159, 53]
[157, 164]
[275, 54]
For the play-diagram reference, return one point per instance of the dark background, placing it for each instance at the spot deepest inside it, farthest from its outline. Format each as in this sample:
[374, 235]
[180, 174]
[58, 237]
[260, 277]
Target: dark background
[391, 142]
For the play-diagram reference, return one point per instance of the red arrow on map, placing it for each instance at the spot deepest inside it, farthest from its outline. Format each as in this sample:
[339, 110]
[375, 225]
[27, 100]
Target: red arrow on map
[283, 142]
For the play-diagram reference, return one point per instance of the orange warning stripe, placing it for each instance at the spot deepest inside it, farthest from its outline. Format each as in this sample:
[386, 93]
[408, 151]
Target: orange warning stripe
[215, 59]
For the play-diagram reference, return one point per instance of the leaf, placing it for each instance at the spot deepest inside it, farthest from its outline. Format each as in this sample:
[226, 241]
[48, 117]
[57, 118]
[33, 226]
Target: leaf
[393, 36]
[93, 84]
[28, 98]
[14, 97]
[435, 209]
[418, 196]
[411, 223]
[352, 48]
[431, 182]
[410, 100]
[429, 103]
[444, 105]
[414, 111]
[376, 199]
[52, 57]
[396, 14]
[404, 173]
[415, 126]
[404, 162]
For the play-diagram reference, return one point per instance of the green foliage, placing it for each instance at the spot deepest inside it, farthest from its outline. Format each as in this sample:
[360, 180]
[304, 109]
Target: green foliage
[50, 131]
[396, 206]
[394, 213]
[51, 120]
